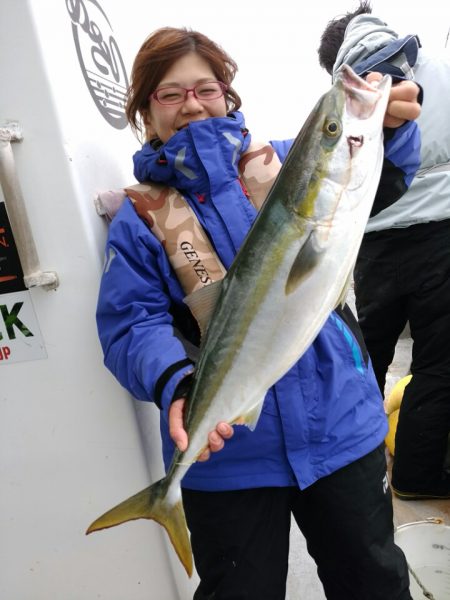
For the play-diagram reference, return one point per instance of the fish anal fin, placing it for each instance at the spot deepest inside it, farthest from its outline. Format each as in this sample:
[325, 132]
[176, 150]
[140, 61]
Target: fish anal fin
[250, 419]
[152, 503]
[202, 303]
[303, 265]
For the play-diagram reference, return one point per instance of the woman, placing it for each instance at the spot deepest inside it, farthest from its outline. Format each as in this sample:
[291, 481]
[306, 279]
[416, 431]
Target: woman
[316, 452]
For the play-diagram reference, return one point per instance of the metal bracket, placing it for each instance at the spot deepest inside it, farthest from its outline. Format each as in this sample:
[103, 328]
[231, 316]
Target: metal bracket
[17, 214]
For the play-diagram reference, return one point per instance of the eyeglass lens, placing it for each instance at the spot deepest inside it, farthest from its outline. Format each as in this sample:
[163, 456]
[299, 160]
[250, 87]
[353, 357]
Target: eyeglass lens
[203, 91]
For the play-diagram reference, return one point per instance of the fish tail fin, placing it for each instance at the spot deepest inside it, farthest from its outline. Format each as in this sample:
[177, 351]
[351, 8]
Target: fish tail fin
[152, 503]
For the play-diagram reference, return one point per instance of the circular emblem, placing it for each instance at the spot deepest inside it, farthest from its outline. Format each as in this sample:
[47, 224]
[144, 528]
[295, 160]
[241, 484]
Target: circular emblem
[100, 59]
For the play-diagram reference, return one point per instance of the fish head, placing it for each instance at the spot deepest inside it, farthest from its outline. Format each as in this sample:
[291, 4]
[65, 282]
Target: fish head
[355, 167]
[340, 149]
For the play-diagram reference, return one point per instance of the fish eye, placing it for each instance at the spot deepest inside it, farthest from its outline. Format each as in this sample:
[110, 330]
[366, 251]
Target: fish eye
[331, 128]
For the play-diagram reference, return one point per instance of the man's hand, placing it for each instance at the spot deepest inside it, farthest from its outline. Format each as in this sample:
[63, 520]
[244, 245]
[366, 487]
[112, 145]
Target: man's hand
[402, 105]
[216, 438]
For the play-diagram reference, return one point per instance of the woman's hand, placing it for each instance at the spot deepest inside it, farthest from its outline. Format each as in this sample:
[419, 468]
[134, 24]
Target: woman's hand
[402, 105]
[216, 438]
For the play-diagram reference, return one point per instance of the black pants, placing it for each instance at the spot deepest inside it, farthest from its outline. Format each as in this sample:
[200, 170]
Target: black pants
[404, 275]
[240, 539]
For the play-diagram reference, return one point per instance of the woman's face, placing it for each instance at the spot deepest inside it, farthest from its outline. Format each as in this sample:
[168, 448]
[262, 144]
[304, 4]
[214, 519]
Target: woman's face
[164, 120]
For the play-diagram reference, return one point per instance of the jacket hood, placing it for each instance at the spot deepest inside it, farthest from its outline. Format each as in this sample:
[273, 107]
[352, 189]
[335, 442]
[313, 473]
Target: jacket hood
[370, 45]
[365, 35]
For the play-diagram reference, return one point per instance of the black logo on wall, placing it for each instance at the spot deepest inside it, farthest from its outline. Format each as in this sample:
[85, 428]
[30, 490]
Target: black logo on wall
[100, 59]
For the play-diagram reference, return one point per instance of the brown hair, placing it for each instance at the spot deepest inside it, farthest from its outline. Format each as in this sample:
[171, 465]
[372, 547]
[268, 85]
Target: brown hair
[155, 57]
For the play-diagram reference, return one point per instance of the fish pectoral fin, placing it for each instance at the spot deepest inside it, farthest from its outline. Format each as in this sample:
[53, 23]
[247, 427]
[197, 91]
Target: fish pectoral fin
[151, 503]
[202, 303]
[304, 263]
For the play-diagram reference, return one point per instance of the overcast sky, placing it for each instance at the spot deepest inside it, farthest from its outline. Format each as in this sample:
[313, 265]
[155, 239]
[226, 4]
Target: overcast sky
[275, 45]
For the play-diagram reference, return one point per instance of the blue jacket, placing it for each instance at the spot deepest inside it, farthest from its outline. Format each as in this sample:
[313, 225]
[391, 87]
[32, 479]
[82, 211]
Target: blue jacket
[323, 414]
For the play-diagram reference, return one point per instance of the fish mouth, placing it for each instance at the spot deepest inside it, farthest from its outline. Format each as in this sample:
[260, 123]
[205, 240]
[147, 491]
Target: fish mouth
[354, 142]
[362, 98]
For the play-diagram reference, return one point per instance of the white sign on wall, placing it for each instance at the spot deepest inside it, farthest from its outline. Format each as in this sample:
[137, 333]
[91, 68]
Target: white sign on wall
[20, 335]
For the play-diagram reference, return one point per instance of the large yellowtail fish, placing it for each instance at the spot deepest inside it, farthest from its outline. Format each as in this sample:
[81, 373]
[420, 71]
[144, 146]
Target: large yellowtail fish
[291, 272]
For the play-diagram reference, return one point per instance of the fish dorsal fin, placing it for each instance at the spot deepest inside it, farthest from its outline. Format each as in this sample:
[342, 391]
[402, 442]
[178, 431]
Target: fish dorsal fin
[343, 295]
[202, 303]
[304, 263]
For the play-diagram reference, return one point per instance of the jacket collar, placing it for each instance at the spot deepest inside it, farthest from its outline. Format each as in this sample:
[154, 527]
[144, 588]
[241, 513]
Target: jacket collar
[195, 154]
